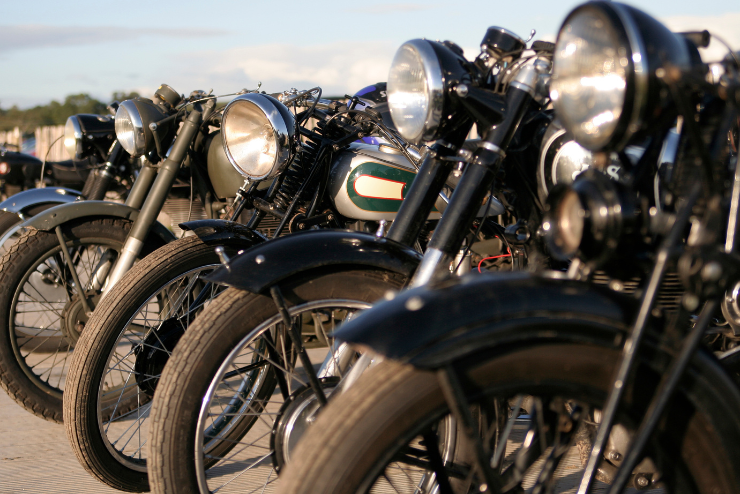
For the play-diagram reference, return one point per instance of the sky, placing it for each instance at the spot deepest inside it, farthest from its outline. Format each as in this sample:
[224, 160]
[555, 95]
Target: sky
[50, 49]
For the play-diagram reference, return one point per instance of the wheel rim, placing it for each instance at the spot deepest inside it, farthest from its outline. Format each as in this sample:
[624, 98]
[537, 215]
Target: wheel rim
[236, 418]
[37, 312]
[412, 474]
[122, 405]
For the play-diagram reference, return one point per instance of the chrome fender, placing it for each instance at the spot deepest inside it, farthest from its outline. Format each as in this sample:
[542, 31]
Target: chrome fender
[22, 201]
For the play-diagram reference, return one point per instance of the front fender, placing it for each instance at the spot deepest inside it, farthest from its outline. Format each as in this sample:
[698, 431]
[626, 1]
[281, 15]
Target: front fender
[265, 265]
[430, 327]
[21, 202]
[53, 217]
[224, 232]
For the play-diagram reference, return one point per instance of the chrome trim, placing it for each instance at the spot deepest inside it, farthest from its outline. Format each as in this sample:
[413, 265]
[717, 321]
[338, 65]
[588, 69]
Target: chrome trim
[435, 88]
[76, 133]
[139, 135]
[225, 365]
[639, 61]
[492, 147]
[130, 251]
[734, 211]
[279, 127]
[429, 264]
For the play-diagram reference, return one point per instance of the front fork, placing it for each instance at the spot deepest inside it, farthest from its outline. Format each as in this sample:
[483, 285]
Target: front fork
[158, 194]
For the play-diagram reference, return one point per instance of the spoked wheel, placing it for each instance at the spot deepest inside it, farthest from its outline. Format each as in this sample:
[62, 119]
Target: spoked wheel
[384, 434]
[120, 357]
[235, 398]
[41, 312]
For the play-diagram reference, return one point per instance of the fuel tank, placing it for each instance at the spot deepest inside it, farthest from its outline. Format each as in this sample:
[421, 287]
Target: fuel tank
[368, 182]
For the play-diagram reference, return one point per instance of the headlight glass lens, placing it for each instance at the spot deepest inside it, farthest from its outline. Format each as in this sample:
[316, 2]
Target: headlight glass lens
[250, 139]
[125, 130]
[71, 137]
[589, 81]
[409, 95]
[569, 222]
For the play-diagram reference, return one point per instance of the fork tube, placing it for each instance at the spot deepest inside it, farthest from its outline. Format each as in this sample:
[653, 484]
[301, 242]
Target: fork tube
[422, 195]
[474, 185]
[667, 385]
[629, 352]
[141, 186]
[156, 197]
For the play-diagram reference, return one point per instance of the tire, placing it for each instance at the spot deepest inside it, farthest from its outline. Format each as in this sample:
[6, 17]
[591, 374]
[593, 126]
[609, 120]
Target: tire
[107, 348]
[197, 376]
[30, 265]
[354, 441]
[8, 220]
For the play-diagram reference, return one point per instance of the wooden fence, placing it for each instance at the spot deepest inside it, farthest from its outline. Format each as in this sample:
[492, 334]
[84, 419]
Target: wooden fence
[51, 139]
[12, 137]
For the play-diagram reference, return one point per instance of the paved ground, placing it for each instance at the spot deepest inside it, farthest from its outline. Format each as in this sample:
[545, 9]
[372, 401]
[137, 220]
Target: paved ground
[36, 458]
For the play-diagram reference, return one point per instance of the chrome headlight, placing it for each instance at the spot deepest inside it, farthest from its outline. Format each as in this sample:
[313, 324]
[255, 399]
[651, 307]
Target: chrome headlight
[133, 118]
[592, 217]
[602, 81]
[258, 135]
[73, 137]
[415, 90]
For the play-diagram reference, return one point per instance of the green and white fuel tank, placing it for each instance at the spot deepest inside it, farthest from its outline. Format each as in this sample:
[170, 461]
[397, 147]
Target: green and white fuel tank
[369, 181]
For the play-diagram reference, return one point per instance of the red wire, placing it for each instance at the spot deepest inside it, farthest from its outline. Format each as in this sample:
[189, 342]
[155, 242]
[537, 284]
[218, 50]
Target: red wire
[493, 257]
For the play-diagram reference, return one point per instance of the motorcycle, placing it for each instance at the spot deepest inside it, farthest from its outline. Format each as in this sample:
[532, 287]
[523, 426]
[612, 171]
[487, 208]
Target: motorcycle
[320, 148]
[98, 165]
[241, 387]
[68, 256]
[558, 381]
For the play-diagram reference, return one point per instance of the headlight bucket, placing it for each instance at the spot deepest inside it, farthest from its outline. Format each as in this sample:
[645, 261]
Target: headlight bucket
[591, 218]
[83, 131]
[605, 85]
[420, 73]
[133, 118]
[258, 133]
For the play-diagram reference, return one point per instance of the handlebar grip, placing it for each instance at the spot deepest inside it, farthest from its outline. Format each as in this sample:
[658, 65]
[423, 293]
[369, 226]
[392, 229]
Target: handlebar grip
[700, 38]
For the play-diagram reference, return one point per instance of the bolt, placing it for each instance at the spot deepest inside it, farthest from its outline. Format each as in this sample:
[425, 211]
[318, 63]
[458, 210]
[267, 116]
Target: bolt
[615, 456]
[712, 271]
[259, 259]
[690, 302]
[642, 481]
[462, 90]
[483, 487]
[414, 303]
[301, 226]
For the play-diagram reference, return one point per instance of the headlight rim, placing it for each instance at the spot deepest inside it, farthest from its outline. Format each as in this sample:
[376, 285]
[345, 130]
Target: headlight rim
[631, 119]
[434, 77]
[281, 132]
[140, 133]
[77, 134]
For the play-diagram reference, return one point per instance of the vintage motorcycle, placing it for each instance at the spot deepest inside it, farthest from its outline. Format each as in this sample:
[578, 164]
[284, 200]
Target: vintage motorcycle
[98, 166]
[561, 382]
[321, 173]
[52, 290]
[241, 387]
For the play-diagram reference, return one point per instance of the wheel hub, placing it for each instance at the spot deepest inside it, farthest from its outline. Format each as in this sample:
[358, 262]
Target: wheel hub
[153, 353]
[74, 317]
[294, 418]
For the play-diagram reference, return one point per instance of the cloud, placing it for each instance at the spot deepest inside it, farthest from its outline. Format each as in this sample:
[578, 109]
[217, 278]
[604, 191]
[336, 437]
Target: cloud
[27, 36]
[724, 25]
[339, 68]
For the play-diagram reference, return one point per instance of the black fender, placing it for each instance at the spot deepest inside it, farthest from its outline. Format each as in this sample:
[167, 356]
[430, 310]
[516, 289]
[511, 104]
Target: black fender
[21, 202]
[432, 326]
[53, 217]
[272, 262]
[465, 320]
[224, 232]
